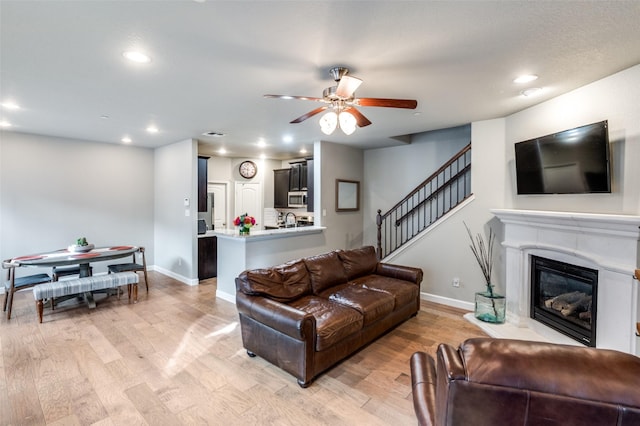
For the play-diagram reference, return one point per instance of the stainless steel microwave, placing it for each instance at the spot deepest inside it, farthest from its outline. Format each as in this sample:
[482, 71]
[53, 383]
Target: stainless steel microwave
[297, 199]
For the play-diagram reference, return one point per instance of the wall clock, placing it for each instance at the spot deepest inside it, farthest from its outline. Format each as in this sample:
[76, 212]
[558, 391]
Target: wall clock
[248, 169]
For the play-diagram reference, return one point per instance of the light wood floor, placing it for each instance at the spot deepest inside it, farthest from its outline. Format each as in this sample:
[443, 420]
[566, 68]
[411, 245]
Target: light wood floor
[176, 358]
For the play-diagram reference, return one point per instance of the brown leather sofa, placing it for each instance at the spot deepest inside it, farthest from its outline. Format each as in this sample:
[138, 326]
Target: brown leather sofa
[513, 382]
[307, 315]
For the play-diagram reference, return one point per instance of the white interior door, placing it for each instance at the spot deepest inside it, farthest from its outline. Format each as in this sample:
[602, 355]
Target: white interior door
[218, 192]
[249, 200]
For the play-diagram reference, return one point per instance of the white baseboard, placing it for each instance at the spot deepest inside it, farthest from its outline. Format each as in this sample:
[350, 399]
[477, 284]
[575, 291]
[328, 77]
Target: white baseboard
[460, 304]
[226, 296]
[182, 279]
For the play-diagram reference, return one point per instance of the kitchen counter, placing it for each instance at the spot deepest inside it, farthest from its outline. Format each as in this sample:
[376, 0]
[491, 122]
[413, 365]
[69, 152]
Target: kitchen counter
[263, 234]
[261, 249]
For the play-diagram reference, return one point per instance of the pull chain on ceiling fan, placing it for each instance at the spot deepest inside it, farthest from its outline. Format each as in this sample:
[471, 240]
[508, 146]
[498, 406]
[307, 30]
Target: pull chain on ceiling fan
[341, 101]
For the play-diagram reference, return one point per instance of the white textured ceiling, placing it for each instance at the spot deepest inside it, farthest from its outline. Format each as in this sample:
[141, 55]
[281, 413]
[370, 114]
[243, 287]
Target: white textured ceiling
[213, 61]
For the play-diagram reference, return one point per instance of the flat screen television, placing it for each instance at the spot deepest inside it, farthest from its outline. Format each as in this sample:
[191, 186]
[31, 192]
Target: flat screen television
[574, 161]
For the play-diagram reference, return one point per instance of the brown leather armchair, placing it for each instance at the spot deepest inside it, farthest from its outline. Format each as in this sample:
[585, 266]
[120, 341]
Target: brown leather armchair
[512, 382]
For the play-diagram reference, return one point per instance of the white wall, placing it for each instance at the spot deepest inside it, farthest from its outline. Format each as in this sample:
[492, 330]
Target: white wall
[334, 161]
[175, 233]
[615, 98]
[225, 169]
[391, 173]
[445, 254]
[55, 190]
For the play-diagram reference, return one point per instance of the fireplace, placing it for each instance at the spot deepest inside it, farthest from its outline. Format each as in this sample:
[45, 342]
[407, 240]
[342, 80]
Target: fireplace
[606, 243]
[564, 297]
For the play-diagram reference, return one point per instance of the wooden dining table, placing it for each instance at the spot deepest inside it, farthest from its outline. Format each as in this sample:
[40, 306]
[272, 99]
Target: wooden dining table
[65, 257]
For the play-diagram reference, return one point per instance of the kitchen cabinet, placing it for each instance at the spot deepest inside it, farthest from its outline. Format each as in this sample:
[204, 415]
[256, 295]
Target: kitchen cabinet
[207, 257]
[281, 188]
[298, 176]
[202, 183]
[309, 183]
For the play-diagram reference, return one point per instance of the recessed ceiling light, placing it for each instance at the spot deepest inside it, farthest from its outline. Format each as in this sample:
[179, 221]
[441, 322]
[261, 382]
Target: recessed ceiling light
[5, 123]
[126, 139]
[287, 139]
[525, 78]
[262, 143]
[263, 156]
[531, 92]
[222, 151]
[152, 129]
[10, 105]
[303, 151]
[105, 117]
[136, 56]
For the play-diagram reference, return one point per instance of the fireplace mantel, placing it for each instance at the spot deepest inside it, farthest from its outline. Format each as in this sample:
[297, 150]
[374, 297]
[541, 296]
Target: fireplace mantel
[605, 242]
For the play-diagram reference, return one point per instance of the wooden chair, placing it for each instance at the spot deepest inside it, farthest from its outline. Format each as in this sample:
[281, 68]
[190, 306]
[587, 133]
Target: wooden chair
[133, 266]
[637, 277]
[13, 284]
[65, 271]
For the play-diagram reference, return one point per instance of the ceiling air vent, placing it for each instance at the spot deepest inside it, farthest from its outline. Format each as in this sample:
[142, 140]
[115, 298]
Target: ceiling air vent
[213, 134]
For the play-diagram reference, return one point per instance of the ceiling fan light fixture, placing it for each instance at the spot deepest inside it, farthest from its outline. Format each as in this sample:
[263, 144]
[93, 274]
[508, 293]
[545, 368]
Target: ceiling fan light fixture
[329, 122]
[347, 122]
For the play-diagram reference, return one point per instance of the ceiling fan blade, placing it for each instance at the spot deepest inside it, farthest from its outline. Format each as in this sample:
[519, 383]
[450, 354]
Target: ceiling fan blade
[347, 86]
[309, 114]
[387, 103]
[361, 120]
[303, 98]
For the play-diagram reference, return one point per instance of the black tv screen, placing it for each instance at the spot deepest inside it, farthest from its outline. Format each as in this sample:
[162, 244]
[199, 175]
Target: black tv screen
[574, 161]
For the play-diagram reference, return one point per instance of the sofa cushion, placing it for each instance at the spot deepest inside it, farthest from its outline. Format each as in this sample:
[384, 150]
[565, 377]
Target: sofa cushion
[334, 322]
[325, 271]
[373, 305]
[403, 292]
[359, 262]
[283, 283]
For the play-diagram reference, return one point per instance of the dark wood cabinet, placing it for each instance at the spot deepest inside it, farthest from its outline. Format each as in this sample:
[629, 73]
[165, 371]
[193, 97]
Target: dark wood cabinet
[202, 183]
[294, 178]
[298, 176]
[281, 188]
[309, 183]
[207, 257]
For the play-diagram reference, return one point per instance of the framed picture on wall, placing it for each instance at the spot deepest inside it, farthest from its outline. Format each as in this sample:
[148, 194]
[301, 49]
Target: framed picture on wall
[347, 195]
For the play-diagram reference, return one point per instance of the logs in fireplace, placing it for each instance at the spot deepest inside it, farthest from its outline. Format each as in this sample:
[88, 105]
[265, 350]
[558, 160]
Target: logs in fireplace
[563, 297]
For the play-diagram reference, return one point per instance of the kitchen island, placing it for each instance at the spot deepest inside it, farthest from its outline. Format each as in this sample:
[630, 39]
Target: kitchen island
[261, 249]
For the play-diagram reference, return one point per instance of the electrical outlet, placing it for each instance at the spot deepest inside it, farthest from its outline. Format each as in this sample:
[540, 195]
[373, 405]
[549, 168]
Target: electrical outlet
[456, 282]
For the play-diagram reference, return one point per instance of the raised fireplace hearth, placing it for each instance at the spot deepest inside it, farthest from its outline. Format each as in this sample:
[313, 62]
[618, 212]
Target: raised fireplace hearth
[608, 245]
[564, 297]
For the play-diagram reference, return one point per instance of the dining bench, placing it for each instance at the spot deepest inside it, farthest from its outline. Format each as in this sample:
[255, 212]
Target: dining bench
[54, 289]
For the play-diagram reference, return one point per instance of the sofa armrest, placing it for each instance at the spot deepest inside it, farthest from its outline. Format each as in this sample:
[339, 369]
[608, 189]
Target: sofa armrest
[450, 362]
[406, 273]
[423, 385]
[277, 315]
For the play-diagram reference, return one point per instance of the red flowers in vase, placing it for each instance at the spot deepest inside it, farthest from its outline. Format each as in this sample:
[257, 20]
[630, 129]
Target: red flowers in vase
[245, 222]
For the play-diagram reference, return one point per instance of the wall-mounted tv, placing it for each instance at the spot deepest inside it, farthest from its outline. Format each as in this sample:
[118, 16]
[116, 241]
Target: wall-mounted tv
[574, 161]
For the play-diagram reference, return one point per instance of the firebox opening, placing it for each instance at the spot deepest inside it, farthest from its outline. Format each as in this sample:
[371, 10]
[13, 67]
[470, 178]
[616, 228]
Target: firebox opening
[563, 297]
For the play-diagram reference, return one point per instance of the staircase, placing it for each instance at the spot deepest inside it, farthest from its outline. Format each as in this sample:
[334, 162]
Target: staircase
[446, 188]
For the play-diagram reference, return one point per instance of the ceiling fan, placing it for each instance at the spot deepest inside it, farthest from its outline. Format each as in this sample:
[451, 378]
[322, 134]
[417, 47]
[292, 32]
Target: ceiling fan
[341, 103]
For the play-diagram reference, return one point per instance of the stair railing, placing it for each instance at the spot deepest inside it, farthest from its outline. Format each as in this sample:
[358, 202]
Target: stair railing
[447, 187]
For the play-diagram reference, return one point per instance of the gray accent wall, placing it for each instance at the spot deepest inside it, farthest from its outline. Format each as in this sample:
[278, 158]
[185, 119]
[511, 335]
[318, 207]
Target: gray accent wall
[55, 190]
[444, 253]
[175, 231]
[335, 161]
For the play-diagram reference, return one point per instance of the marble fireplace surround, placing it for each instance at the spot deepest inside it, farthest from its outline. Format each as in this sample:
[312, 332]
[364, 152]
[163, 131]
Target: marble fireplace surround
[608, 243]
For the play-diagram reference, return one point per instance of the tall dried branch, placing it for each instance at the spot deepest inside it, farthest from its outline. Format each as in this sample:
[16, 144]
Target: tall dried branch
[483, 252]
